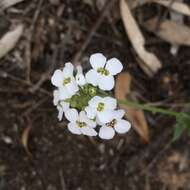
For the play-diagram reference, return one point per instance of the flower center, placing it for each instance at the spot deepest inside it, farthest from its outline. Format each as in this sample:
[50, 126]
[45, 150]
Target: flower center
[100, 106]
[66, 81]
[81, 124]
[111, 123]
[103, 71]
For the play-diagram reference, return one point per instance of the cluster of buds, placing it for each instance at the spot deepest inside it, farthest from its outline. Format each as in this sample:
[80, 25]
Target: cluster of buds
[84, 100]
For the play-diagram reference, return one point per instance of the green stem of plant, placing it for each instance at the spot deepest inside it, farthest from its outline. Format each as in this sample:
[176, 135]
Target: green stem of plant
[148, 108]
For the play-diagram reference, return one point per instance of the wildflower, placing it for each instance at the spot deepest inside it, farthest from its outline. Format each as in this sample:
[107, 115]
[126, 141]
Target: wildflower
[103, 71]
[101, 108]
[80, 79]
[65, 81]
[80, 123]
[121, 126]
[61, 105]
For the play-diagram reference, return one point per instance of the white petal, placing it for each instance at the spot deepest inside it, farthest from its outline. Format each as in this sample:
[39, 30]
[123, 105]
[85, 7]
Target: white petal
[118, 114]
[68, 70]
[88, 131]
[80, 79]
[83, 118]
[106, 132]
[99, 122]
[55, 97]
[114, 66]
[122, 126]
[106, 82]
[72, 87]
[91, 113]
[57, 78]
[110, 103]
[69, 65]
[74, 129]
[94, 101]
[105, 116]
[97, 60]
[64, 94]
[91, 123]
[64, 105]
[72, 115]
[92, 77]
[60, 113]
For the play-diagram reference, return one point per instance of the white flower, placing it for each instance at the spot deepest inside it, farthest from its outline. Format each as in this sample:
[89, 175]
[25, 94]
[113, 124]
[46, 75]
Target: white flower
[103, 71]
[101, 108]
[117, 124]
[65, 81]
[62, 106]
[80, 79]
[80, 123]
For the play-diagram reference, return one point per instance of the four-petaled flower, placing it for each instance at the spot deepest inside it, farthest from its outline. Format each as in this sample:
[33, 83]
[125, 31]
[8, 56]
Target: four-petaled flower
[65, 81]
[101, 108]
[121, 126]
[103, 71]
[80, 123]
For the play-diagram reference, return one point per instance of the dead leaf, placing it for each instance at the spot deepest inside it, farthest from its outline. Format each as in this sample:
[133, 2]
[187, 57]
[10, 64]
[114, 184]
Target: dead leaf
[170, 31]
[176, 6]
[89, 2]
[138, 41]
[4, 4]
[178, 18]
[136, 117]
[9, 40]
[25, 138]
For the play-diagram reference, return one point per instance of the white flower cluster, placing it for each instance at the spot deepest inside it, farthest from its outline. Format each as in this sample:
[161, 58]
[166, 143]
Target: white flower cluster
[84, 101]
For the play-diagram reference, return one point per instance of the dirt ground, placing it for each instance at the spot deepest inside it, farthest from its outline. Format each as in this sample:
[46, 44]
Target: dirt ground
[56, 31]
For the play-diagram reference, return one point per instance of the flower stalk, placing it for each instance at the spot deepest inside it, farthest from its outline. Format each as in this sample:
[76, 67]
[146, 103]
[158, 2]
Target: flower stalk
[149, 108]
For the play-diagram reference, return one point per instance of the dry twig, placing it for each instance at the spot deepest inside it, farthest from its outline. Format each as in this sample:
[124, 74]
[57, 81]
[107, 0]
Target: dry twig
[29, 41]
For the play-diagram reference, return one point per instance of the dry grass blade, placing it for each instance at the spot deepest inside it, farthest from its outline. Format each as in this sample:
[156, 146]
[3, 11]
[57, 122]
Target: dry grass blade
[170, 31]
[24, 139]
[4, 4]
[136, 117]
[9, 40]
[137, 40]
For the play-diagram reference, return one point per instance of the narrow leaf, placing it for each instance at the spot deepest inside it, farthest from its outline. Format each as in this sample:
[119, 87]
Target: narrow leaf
[152, 63]
[135, 116]
[9, 40]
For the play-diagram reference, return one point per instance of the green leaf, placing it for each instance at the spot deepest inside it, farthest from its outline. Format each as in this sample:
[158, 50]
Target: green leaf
[178, 131]
[182, 124]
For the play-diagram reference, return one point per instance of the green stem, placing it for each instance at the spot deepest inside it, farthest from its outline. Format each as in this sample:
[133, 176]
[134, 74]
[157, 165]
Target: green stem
[148, 108]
